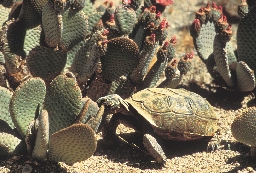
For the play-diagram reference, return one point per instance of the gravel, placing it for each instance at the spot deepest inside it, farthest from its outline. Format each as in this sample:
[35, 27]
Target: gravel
[228, 156]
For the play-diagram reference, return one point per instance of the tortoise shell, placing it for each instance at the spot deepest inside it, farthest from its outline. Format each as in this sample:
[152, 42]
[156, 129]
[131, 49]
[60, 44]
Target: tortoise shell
[175, 113]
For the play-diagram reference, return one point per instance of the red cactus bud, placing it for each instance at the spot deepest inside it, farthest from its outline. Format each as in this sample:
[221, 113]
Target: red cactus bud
[158, 15]
[208, 7]
[173, 40]
[162, 24]
[166, 44]
[126, 2]
[112, 18]
[105, 2]
[111, 4]
[164, 2]
[214, 5]
[174, 62]
[105, 32]
[188, 56]
[197, 24]
[153, 38]
[152, 9]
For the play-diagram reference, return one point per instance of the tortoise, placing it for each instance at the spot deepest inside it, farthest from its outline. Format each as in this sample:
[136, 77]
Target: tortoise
[173, 114]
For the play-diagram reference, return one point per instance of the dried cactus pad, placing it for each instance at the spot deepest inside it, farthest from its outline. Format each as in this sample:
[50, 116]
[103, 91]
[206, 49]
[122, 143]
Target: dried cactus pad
[244, 127]
[42, 137]
[5, 97]
[120, 59]
[72, 144]
[24, 103]
[63, 102]
[46, 63]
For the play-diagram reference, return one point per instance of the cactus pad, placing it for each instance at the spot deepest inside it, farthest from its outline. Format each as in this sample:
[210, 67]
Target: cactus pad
[24, 103]
[45, 62]
[244, 127]
[51, 24]
[10, 144]
[120, 59]
[246, 34]
[62, 102]
[125, 19]
[42, 137]
[74, 29]
[72, 144]
[5, 97]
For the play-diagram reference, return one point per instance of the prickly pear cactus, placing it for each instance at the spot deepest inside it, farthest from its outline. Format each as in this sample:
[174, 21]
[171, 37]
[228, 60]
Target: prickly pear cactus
[4, 106]
[24, 103]
[243, 127]
[62, 102]
[53, 53]
[78, 141]
[211, 33]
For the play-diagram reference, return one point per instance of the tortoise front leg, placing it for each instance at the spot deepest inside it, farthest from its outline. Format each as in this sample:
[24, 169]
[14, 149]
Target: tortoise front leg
[154, 149]
[110, 123]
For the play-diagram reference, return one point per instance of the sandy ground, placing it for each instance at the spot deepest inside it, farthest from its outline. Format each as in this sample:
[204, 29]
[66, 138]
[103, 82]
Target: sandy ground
[230, 155]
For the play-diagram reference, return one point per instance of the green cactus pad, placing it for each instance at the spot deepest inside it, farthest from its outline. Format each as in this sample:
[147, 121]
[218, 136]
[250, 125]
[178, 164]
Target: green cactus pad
[85, 61]
[52, 26]
[93, 18]
[24, 102]
[145, 58]
[5, 97]
[45, 62]
[120, 59]
[245, 77]
[221, 59]
[204, 42]
[243, 127]
[42, 137]
[125, 19]
[78, 5]
[164, 55]
[74, 29]
[13, 37]
[88, 8]
[72, 144]
[246, 34]
[172, 75]
[10, 145]
[88, 114]
[62, 102]
[32, 39]
[73, 53]
[4, 14]
[31, 12]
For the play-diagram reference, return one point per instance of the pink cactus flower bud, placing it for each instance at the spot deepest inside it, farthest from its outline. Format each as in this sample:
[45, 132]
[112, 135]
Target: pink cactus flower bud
[164, 2]
[158, 15]
[173, 40]
[126, 2]
[166, 44]
[152, 9]
[197, 24]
